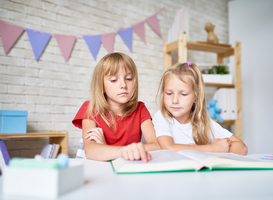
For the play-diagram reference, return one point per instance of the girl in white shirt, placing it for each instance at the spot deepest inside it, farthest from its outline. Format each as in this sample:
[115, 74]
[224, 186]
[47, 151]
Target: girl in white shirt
[183, 121]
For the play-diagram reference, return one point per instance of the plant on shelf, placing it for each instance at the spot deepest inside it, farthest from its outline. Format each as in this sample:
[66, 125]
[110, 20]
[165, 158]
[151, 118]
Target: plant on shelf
[216, 69]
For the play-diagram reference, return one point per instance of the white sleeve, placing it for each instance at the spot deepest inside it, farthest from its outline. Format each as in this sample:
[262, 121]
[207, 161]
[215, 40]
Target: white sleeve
[162, 127]
[219, 131]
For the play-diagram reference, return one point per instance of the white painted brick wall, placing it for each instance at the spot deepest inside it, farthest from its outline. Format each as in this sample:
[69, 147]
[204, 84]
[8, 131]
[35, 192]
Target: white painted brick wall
[52, 91]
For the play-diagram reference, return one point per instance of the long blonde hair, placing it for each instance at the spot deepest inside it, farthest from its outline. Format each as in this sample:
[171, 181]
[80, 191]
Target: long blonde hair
[200, 118]
[110, 65]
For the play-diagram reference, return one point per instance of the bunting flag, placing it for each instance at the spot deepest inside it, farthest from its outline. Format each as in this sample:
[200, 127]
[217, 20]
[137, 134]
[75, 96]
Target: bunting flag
[93, 43]
[140, 31]
[108, 40]
[153, 23]
[9, 34]
[127, 36]
[66, 44]
[38, 41]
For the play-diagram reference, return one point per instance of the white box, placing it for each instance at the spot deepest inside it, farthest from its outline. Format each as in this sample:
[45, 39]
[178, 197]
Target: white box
[43, 183]
[218, 78]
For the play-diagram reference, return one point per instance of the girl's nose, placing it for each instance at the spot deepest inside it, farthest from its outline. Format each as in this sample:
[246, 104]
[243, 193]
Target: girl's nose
[123, 84]
[175, 100]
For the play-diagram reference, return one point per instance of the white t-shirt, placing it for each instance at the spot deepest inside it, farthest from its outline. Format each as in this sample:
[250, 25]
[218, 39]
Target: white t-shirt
[182, 133]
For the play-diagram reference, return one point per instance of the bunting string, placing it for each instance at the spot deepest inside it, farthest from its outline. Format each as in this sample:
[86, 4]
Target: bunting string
[10, 33]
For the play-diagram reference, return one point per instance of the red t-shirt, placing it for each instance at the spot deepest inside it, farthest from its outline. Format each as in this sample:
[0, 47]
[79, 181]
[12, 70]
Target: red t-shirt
[128, 128]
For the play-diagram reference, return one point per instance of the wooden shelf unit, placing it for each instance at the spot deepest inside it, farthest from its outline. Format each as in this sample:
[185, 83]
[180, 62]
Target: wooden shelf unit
[222, 51]
[58, 137]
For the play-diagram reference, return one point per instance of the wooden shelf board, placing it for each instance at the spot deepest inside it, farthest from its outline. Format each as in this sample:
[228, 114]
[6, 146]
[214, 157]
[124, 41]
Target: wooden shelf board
[208, 47]
[226, 122]
[213, 48]
[222, 85]
[34, 135]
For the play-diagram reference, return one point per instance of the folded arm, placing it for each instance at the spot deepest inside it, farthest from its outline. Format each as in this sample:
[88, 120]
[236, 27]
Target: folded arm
[166, 142]
[225, 145]
[237, 146]
[96, 148]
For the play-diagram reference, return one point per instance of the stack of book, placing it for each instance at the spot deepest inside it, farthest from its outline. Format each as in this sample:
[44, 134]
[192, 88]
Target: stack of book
[180, 25]
[227, 101]
[50, 150]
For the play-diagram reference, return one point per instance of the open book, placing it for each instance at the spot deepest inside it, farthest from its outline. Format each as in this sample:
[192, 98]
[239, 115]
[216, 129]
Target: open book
[188, 160]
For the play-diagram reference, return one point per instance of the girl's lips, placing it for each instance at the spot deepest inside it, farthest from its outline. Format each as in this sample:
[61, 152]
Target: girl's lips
[175, 108]
[123, 93]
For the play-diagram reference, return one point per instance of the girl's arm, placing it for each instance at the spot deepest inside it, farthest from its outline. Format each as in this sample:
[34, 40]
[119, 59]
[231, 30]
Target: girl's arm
[237, 146]
[148, 131]
[104, 152]
[218, 145]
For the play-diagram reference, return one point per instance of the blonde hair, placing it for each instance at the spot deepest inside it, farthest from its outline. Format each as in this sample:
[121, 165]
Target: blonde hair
[110, 65]
[200, 118]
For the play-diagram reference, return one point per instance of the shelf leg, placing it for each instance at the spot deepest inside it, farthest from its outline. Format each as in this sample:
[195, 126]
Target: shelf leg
[238, 86]
[182, 48]
[167, 57]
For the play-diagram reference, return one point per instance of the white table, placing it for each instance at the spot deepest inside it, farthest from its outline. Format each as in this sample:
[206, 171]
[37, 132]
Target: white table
[102, 183]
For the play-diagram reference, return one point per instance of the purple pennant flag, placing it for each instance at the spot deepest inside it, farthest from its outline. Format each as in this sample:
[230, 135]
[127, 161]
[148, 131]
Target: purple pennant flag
[38, 41]
[126, 35]
[93, 43]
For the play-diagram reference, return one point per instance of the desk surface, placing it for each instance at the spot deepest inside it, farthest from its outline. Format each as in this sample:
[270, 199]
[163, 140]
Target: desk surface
[102, 183]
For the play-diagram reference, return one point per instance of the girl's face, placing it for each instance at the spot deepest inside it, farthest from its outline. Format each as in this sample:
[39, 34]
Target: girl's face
[179, 98]
[119, 88]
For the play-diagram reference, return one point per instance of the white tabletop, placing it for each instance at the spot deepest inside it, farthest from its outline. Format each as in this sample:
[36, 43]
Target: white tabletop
[102, 183]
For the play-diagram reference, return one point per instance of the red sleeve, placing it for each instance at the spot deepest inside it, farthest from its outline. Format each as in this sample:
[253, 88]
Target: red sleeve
[145, 114]
[77, 121]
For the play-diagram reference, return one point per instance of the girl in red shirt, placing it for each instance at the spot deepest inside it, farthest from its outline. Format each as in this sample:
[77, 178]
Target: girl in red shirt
[113, 121]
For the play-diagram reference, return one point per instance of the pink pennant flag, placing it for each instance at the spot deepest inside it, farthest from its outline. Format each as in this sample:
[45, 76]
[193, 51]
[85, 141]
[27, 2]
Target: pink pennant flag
[153, 22]
[9, 34]
[108, 41]
[66, 44]
[140, 31]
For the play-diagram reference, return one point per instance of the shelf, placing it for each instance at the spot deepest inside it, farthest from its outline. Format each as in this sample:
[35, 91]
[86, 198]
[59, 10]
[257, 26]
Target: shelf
[196, 46]
[210, 48]
[222, 51]
[226, 122]
[58, 137]
[220, 85]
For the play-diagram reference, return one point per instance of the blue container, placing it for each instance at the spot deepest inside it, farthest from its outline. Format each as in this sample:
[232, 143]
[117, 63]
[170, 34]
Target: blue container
[13, 121]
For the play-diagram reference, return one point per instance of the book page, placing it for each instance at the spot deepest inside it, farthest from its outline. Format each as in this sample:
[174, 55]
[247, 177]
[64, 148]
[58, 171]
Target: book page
[162, 160]
[198, 156]
[225, 159]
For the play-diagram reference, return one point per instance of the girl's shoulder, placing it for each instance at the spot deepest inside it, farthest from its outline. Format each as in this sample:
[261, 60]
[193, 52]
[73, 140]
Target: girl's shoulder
[141, 110]
[159, 117]
[158, 114]
[85, 106]
[140, 105]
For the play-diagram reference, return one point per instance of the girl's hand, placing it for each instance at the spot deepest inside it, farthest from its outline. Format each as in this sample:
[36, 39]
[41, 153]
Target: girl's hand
[135, 151]
[96, 135]
[221, 145]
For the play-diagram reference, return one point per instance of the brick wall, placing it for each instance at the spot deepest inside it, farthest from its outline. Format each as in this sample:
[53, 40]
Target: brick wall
[52, 91]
